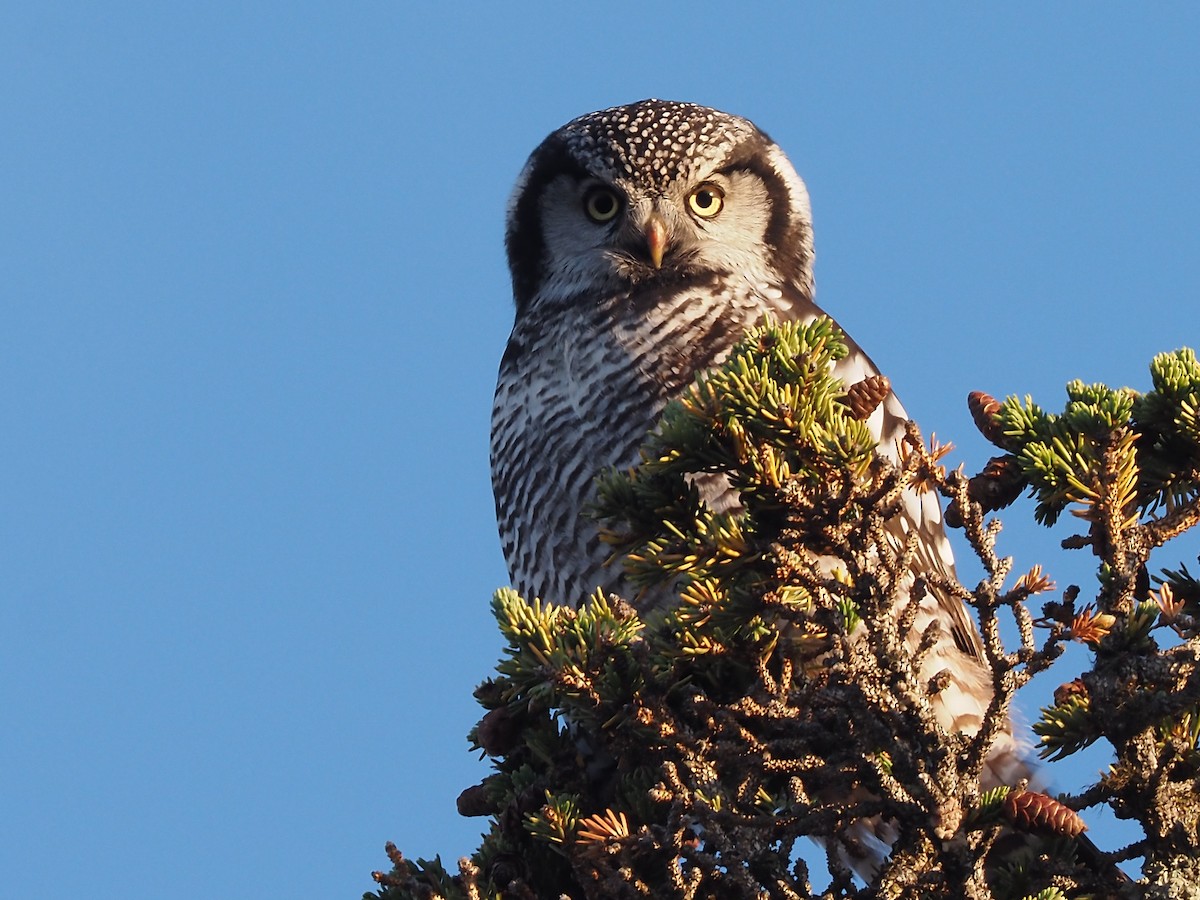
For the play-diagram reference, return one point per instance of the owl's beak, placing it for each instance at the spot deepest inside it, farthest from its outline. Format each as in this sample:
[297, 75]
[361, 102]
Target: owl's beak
[656, 239]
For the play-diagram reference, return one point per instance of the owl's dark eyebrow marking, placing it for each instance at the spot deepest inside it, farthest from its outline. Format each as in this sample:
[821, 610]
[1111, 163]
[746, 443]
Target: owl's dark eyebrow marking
[526, 247]
[753, 163]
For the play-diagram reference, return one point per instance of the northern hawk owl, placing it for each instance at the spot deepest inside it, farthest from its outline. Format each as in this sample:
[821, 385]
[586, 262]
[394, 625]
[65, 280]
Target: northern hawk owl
[643, 240]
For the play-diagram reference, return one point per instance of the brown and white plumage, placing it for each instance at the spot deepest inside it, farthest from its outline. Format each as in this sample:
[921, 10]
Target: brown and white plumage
[643, 240]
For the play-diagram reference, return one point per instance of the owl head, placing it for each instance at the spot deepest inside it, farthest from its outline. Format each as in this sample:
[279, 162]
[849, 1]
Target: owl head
[655, 193]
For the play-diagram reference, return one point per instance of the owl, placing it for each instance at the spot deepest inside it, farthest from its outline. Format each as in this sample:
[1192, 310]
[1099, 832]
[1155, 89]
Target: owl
[643, 240]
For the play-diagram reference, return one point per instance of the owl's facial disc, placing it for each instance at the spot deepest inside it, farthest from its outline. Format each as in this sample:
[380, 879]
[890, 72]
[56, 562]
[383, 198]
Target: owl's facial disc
[657, 234]
[712, 223]
[662, 229]
[730, 206]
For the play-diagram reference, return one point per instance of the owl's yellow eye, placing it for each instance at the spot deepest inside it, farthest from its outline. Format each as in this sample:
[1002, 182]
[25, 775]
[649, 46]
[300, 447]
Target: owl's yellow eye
[601, 204]
[706, 201]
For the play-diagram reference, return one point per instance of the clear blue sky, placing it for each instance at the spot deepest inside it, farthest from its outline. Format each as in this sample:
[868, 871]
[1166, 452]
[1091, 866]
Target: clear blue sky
[253, 298]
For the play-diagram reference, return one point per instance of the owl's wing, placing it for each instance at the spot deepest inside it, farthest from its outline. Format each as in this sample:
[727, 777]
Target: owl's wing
[922, 512]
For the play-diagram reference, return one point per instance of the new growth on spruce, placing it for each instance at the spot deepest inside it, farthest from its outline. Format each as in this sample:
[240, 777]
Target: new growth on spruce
[693, 749]
[1128, 465]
